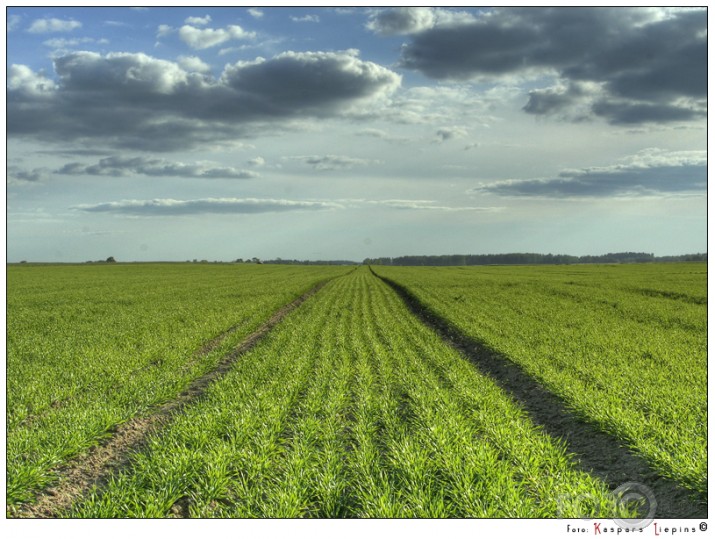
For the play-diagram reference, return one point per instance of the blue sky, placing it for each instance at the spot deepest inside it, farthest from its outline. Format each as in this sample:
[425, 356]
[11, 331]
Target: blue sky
[322, 133]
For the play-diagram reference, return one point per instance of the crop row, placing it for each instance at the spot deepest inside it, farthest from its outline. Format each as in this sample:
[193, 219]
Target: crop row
[624, 346]
[89, 347]
[351, 408]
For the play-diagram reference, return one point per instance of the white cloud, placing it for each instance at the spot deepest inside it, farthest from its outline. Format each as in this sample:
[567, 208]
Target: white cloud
[380, 134]
[22, 79]
[193, 64]
[63, 43]
[650, 172]
[163, 30]
[257, 161]
[255, 13]
[168, 206]
[431, 205]
[172, 207]
[198, 21]
[445, 104]
[657, 157]
[204, 38]
[306, 18]
[13, 22]
[45, 26]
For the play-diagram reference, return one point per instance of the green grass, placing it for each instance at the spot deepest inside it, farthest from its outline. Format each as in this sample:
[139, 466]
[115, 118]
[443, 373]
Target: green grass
[89, 347]
[351, 408]
[624, 346]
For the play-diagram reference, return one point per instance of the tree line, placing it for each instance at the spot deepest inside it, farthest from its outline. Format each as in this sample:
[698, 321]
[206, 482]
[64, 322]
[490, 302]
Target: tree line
[530, 259]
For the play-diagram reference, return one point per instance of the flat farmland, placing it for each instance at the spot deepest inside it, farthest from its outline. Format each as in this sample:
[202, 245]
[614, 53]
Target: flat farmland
[89, 347]
[351, 400]
[624, 346]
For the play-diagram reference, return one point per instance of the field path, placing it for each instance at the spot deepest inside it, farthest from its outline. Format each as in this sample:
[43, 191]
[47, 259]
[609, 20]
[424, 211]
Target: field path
[599, 453]
[350, 407]
[357, 403]
[92, 468]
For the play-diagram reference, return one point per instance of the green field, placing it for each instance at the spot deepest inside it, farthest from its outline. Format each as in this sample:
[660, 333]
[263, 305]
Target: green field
[351, 406]
[89, 347]
[625, 346]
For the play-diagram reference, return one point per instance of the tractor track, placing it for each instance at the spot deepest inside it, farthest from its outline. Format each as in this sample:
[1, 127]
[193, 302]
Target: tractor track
[94, 467]
[596, 452]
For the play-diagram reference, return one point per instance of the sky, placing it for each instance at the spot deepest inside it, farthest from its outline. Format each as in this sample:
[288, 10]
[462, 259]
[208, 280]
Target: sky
[173, 133]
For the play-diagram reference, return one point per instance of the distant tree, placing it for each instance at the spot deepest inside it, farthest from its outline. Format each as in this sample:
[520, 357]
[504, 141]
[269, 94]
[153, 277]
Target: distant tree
[255, 260]
[239, 261]
[110, 259]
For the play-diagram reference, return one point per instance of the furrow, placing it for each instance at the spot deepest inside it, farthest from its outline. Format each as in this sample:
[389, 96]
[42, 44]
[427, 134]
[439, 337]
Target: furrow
[82, 473]
[599, 453]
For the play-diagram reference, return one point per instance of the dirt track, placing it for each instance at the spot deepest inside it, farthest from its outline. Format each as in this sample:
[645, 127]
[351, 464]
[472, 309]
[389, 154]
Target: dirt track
[94, 467]
[597, 452]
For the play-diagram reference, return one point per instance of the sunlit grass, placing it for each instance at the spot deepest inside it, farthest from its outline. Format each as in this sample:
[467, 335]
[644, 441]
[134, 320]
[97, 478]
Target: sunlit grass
[352, 408]
[625, 346]
[89, 347]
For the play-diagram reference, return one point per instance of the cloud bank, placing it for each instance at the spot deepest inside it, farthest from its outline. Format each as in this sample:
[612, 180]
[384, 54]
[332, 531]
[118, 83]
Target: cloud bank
[627, 66]
[172, 207]
[652, 172]
[18, 175]
[128, 166]
[412, 20]
[47, 26]
[132, 100]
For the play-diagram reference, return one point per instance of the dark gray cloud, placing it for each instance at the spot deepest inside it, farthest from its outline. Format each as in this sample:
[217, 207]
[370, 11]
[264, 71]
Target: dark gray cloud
[449, 133]
[128, 166]
[317, 83]
[650, 173]
[625, 112]
[140, 102]
[638, 60]
[17, 174]
[412, 20]
[401, 20]
[168, 207]
[562, 101]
